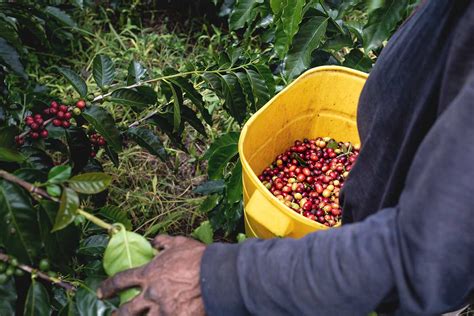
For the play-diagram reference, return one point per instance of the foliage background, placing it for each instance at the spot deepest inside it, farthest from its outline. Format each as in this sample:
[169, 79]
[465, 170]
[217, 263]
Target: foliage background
[170, 85]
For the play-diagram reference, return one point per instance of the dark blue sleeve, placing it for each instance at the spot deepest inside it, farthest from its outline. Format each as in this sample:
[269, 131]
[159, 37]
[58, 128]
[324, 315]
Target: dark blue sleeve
[422, 249]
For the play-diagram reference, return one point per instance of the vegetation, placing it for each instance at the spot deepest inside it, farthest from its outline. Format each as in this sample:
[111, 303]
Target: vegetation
[147, 140]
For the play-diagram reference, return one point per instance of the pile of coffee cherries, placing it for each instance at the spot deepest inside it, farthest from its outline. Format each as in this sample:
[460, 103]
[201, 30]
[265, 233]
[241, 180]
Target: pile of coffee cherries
[97, 141]
[309, 176]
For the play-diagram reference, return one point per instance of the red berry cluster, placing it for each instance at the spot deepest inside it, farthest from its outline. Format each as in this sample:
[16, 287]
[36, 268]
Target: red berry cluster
[309, 176]
[36, 125]
[60, 114]
[97, 141]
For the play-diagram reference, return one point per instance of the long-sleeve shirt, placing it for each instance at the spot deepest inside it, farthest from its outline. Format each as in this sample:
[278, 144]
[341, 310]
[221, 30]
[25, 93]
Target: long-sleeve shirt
[407, 242]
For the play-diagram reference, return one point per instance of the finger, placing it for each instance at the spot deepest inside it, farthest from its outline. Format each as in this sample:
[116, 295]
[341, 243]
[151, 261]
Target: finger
[119, 282]
[165, 241]
[154, 310]
[137, 306]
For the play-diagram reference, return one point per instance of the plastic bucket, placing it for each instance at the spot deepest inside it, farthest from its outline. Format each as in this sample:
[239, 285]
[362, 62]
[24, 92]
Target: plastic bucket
[321, 102]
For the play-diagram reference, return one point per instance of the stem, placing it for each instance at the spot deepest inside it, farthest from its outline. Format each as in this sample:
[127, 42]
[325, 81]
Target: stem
[143, 119]
[96, 220]
[56, 281]
[26, 185]
[181, 74]
[34, 189]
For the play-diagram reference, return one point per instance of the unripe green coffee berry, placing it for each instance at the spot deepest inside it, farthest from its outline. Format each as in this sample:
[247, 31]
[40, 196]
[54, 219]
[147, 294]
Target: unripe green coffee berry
[19, 272]
[108, 98]
[3, 278]
[10, 271]
[52, 274]
[3, 266]
[13, 262]
[44, 265]
[90, 96]
[105, 88]
[77, 111]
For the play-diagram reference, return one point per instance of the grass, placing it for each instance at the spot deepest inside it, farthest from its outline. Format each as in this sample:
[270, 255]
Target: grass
[156, 195]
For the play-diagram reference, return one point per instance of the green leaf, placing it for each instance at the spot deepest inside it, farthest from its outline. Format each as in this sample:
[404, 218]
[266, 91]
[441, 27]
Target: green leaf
[104, 123]
[246, 88]
[10, 155]
[176, 109]
[37, 158]
[234, 97]
[79, 147]
[223, 140]
[133, 98]
[60, 16]
[357, 60]
[382, 22]
[54, 190]
[219, 160]
[259, 88]
[276, 5]
[18, 224]
[136, 72]
[282, 42]
[209, 203]
[291, 17]
[234, 184]
[306, 41]
[190, 116]
[11, 59]
[67, 209]
[214, 82]
[115, 214]
[87, 302]
[8, 298]
[241, 14]
[267, 75]
[148, 140]
[93, 246]
[59, 174]
[127, 250]
[204, 233]
[37, 300]
[60, 246]
[211, 186]
[90, 183]
[7, 136]
[103, 70]
[75, 80]
[241, 238]
[113, 156]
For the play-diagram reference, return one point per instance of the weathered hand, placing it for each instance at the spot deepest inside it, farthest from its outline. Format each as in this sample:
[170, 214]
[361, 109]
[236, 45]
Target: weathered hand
[169, 284]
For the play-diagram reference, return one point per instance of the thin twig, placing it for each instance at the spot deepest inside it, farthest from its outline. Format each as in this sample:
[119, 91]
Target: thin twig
[53, 280]
[26, 185]
[143, 119]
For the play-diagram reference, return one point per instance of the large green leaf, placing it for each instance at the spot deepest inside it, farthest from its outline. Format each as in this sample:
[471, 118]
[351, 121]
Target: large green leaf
[18, 224]
[67, 209]
[79, 147]
[246, 86]
[148, 140]
[37, 300]
[223, 140]
[211, 186]
[103, 70]
[241, 14]
[291, 17]
[136, 72]
[190, 116]
[306, 41]
[204, 233]
[8, 298]
[59, 246]
[267, 75]
[104, 123]
[11, 59]
[126, 250]
[177, 100]
[382, 22]
[60, 16]
[93, 246]
[75, 80]
[7, 136]
[87, 302]
[37, 158]
[259, 88]
[209, 203]
[133, 98]
[234, 184]
[10, 155]
[90, 183]
[277, 5]
[59, 174]
[357, 60]
[219, 160]
[234, 97]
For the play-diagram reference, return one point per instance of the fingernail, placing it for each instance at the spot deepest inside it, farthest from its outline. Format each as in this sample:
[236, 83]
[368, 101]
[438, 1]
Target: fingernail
[99, 294]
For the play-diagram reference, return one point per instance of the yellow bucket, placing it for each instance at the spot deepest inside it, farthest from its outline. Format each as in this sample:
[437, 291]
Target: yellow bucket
[321, 102]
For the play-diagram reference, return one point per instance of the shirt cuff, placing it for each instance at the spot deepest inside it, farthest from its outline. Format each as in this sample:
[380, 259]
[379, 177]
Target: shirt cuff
[219, 281]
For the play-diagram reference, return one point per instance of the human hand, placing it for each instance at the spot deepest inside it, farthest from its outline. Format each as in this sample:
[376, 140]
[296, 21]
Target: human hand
[169, 283]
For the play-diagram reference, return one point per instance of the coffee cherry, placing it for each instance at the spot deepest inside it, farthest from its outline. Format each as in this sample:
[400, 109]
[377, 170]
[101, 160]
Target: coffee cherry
[44, 265]
[77, 111]
[44, 133]
[60, 115]
[54, 104]
[34, 135]
[81, 104]
[19, 273]
[67, 115]
[92, 154]
[63, 108]
[34, 126]
[3, 278]
[66, 124]
[29, 120]
[57, 122]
